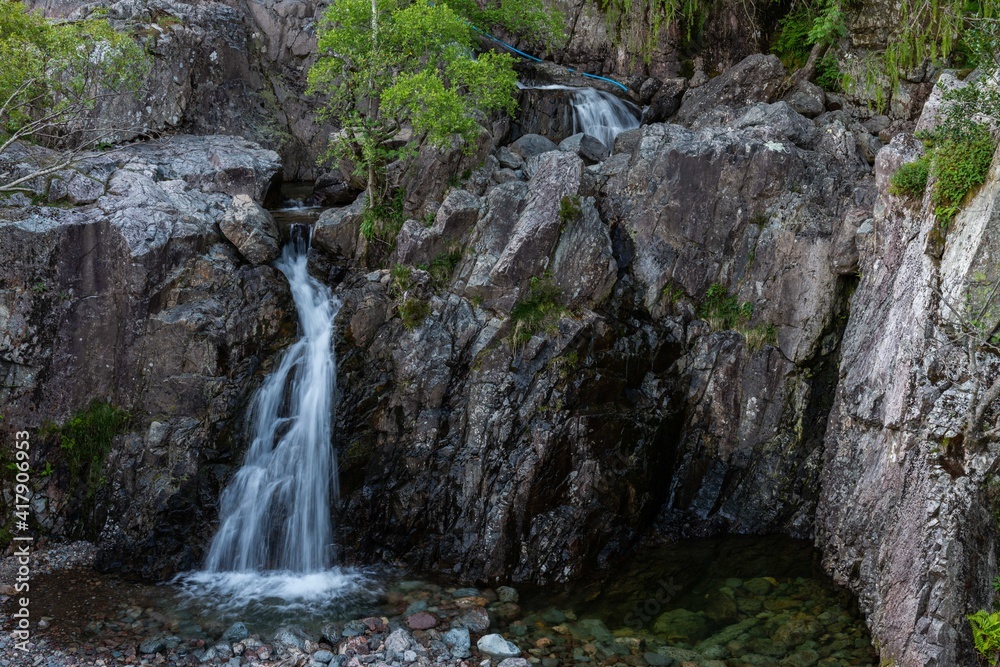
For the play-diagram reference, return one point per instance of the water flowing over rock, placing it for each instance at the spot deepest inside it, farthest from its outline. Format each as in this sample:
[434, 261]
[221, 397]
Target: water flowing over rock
[275, 513]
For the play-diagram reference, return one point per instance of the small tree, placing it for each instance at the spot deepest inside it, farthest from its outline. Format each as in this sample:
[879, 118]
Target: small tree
[385, 64]
[54, 77]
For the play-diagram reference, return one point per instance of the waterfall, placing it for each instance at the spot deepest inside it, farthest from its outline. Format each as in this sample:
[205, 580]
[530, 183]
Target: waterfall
[275, 513]
[597, 113]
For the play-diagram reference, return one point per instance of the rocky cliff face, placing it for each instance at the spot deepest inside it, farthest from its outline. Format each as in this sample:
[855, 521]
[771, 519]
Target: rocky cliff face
[133, 297]
[905, 516]
[220, 68]
[470, 445]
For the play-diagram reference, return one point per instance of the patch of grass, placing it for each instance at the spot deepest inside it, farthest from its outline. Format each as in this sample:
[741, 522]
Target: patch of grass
[759, 336]
[910, 180]
[672, 293]
[401, 279]
[723, 311]
[442, 266]
[85, 440]
[569, 209]
[413, 312]
[538, 311]
[760, 219]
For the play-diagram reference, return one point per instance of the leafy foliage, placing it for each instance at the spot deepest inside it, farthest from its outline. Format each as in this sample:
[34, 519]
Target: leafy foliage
[808, 23]
[962, 155]
[385, 64]
[85, 440]
[55, 74]
[986, 634]
[538, 311]
[910, 180]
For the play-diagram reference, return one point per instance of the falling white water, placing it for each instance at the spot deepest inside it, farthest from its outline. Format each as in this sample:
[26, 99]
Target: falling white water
[275, 513]
[598, 113]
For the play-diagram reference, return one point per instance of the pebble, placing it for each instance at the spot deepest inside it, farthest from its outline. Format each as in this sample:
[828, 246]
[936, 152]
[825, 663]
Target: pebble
[496, 646]
[422, 620]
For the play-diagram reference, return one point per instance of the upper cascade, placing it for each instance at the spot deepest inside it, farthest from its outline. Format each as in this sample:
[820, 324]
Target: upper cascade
[597, 113]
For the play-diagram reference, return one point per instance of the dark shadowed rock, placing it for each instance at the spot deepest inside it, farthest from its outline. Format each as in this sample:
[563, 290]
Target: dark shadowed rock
[665, 102]
[532, 144]
[332, 189]
[589, 148]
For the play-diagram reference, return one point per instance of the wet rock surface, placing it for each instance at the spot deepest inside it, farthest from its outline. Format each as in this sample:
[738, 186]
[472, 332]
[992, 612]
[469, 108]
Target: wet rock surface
[649, 616]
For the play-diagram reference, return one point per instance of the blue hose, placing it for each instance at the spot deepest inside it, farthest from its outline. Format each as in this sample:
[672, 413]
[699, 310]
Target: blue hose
[538, 60]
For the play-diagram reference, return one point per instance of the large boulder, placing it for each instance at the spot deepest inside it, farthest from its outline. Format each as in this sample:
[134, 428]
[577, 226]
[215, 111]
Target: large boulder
[337, 229]
[420, 244]
[252, 230]
[756, 78]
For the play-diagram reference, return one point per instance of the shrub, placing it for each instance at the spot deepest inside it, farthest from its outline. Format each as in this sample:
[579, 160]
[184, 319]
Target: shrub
[961, 162]
[539, 310]
[85, 440]
[910, 180]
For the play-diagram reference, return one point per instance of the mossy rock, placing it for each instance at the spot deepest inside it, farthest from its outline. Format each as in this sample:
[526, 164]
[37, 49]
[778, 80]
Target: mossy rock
[682, 625]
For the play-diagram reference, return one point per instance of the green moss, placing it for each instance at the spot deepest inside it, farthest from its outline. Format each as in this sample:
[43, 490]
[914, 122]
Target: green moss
[538, 311]
[910, 180]
[85, 440]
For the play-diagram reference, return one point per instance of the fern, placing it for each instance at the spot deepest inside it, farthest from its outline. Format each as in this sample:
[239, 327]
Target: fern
[986, 634]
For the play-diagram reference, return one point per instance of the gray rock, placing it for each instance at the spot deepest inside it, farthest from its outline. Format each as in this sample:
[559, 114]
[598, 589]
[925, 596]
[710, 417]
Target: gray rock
[513, 662]
[337, 229]
[252, 230]
[532, 144]
[235, 632]
[353, 629]
[807, 99]
[589, 148]
[290, 637]
[508, 159]
[496, 646]
[322, 656]
[757, 78]
[657, 659]
[418, 244]
[583, 264]
[153, 645]
[507, 594]
[537, 228]
[458, 642]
